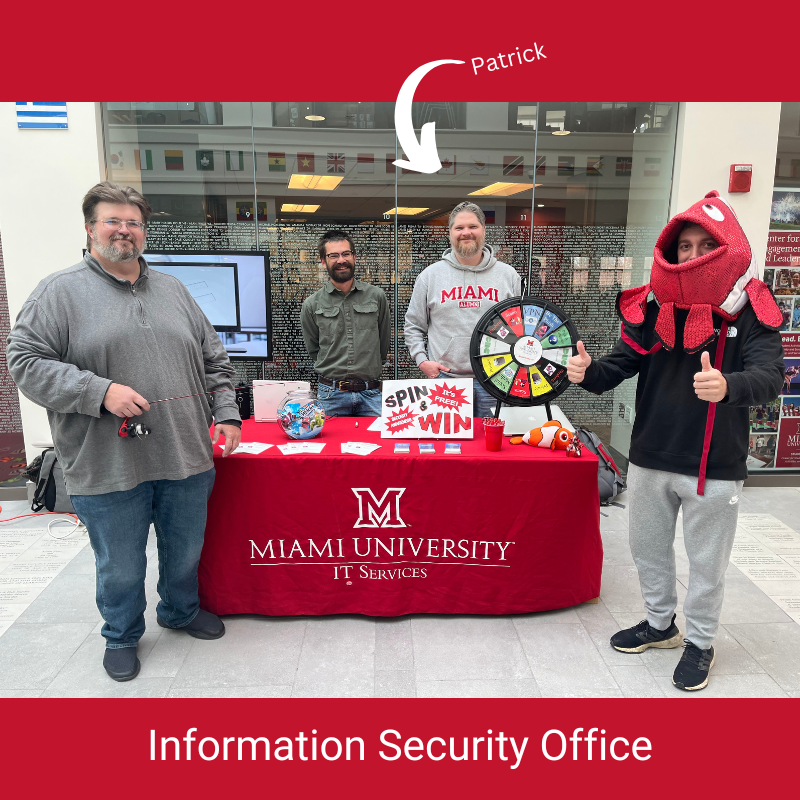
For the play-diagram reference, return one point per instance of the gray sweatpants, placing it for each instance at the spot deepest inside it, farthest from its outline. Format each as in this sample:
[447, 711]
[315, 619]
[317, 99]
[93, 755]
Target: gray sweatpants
[709, 527]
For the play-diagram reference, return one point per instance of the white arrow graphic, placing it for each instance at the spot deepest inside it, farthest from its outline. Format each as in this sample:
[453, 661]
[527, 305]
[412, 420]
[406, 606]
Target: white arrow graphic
[423, 154]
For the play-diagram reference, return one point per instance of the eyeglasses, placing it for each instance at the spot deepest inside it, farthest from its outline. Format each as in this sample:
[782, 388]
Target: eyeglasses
[118, 224]
[337, 256]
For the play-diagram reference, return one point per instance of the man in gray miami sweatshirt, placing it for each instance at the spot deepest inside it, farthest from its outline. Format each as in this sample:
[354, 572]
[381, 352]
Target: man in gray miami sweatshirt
[450, 297]
[99, 342]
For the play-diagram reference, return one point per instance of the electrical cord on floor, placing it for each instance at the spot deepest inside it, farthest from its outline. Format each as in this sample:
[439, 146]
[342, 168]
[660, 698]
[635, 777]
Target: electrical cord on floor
[77, 525]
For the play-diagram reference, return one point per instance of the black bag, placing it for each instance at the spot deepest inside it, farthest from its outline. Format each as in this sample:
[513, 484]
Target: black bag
[610, 480]
[51, 490]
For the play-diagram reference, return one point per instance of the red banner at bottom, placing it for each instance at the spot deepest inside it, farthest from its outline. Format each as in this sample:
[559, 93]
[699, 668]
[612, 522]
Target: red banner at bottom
[397, 748]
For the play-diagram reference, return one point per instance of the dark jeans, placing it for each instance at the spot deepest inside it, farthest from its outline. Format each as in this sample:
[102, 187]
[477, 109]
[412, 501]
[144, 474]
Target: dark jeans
[118, 524]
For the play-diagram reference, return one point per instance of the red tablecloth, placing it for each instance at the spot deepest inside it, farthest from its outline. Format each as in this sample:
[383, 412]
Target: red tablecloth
[386, 534]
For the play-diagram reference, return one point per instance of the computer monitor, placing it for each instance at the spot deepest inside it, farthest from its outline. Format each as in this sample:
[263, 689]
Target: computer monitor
[213, 286]
[250, 337]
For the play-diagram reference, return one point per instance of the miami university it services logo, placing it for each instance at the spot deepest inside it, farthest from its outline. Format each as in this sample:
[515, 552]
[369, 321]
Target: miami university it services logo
[383, 513]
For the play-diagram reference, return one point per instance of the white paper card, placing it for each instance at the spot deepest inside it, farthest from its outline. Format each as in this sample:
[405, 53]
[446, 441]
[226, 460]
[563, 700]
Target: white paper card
[359, 448]
[253, 448]
[301, 447]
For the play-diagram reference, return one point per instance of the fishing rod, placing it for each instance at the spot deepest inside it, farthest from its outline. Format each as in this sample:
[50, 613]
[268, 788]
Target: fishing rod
[137, 430]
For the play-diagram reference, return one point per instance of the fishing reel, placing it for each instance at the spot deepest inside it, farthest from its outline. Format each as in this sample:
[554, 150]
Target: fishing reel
[133, 430]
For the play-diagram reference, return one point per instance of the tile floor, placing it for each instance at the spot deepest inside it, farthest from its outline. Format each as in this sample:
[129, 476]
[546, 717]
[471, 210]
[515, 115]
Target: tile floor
[53, 648]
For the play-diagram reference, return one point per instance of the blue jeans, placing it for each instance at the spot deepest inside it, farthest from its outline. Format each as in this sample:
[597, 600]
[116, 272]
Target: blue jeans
[118, 524]
[350, 404]
[483, 404]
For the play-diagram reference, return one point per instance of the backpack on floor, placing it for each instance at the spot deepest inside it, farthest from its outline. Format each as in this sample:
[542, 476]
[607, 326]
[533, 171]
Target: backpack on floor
[51, 490]
[610, 480]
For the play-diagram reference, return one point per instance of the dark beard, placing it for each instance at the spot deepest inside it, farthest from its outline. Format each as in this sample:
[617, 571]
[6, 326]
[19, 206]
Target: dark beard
[343, 277]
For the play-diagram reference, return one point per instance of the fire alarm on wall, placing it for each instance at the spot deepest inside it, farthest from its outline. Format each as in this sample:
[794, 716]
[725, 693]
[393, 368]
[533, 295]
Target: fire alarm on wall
[739, 180]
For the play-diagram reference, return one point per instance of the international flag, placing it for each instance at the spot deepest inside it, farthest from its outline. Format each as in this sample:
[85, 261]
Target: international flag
[541, 165]
[173, 159]
[244, 211]
[336, 162]
[276, 162]
[366, 162]
[513, 165]
[204, 159]
[448, 165]
[479, 162]
[390, 159]
[117, 160]
[652, 167]
[305, 162]
[624, 165]
[594, 165]
[42, 115]
[566, 165]
[143, 159]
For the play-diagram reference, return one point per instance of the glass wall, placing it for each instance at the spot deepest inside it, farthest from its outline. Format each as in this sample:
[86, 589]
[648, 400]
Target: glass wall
[574, 194]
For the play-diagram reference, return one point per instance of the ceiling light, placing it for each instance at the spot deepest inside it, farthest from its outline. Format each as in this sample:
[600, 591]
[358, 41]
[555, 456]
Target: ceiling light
[405, 211]
[561, 133]
[503, 189]
[314, 118]
[295, 208]
[322, 183]
[540, 205]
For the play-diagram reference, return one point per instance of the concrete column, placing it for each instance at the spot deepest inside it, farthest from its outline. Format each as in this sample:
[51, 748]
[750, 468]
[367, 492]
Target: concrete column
[711, 137]
[44, 175]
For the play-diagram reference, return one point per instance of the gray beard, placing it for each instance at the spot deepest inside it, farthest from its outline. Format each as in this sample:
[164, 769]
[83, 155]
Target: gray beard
[468, 249]
[114, 254]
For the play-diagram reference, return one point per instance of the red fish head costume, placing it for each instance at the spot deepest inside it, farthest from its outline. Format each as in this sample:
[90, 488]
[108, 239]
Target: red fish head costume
[720, 282]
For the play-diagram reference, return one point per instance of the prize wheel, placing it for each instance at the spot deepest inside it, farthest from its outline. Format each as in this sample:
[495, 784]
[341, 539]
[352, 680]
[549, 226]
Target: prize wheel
[519, 351]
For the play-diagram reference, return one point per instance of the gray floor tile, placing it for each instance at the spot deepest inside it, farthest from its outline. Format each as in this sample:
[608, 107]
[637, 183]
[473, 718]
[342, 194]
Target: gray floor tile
[82, 564]
[561, 616]
[613, 517]
[563, 659]
[32, 655]
[793, 694]
[339, 653]
[727, 686]
[745, 603]
[394, 647]
[69, 598]
[253, 652]
[8, 693]
[583, 692]
[83, 675]
[167, 655]
[779, 588]
[523, 687]
[601, 626]
[620, 590]
[616, 549]
[455, 648]
[775, 646]
[395, 683]
[231, 691]
[636, 681]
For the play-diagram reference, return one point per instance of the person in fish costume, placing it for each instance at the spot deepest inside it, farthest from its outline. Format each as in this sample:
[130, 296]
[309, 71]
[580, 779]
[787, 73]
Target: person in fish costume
[703, 338]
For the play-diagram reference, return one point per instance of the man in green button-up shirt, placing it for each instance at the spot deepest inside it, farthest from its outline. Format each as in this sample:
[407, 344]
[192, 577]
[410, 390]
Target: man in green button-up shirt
[346, 331]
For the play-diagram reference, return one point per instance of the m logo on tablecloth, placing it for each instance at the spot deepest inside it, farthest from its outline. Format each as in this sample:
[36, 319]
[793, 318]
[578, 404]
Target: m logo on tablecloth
[383, 513]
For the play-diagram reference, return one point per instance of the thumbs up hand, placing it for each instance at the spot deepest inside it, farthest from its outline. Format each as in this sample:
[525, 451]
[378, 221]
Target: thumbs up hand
[709, 384]
[577, 365]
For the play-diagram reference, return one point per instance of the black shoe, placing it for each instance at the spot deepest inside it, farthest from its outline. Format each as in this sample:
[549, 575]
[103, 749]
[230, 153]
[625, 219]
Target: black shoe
[204, 626]
[691, 674]
[638, 638]
[121, 663]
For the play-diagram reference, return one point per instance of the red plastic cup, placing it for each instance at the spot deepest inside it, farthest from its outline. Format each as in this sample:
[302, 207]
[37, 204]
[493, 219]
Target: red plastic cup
[493, 429]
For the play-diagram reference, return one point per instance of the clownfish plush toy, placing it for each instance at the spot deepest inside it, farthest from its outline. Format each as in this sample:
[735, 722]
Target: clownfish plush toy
[551, 435]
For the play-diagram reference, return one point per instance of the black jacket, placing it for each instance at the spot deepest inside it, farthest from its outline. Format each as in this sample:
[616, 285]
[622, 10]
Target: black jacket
[670, 418]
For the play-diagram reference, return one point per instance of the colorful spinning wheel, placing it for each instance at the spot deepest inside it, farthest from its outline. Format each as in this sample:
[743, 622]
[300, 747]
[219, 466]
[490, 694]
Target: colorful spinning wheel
[519, 351]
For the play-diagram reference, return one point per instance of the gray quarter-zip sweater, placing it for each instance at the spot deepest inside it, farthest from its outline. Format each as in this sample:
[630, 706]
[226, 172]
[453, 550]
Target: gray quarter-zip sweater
[83, 329]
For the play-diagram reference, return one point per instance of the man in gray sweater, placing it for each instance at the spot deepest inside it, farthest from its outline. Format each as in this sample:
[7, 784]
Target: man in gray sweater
[450, 297]
[90, 345]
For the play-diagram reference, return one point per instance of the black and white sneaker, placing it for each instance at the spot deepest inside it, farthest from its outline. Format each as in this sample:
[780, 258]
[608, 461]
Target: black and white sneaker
[691, 674]
[638, 638]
